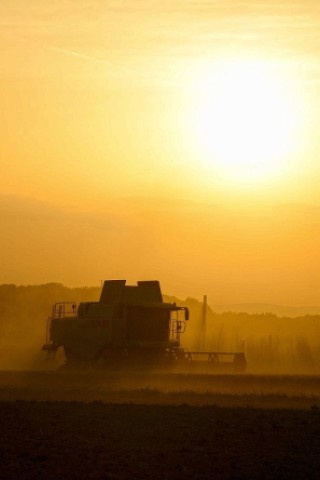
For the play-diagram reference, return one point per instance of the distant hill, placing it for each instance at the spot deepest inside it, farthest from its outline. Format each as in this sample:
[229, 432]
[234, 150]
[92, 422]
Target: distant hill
[258, 308]
[250, 308]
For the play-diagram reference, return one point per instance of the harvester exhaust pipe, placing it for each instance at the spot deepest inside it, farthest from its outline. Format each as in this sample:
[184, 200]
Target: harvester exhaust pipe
[203, 325]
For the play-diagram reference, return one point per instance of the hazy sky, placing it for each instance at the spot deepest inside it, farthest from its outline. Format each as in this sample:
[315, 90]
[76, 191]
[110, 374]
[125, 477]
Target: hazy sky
[175, 140]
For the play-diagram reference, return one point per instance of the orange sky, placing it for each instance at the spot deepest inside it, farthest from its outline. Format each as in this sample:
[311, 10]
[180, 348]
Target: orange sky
[107, 171]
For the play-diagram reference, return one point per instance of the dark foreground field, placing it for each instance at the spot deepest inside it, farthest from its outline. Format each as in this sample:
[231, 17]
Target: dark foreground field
[92, 426]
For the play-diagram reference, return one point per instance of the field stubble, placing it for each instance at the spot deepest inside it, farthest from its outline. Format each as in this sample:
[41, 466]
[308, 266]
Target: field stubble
[260, 391]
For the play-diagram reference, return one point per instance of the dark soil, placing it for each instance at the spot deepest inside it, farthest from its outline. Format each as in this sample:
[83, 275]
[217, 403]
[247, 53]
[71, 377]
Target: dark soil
[75, 440]
[97, 426]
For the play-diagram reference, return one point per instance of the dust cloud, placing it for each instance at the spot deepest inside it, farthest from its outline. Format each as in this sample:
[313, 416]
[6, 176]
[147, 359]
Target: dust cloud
[24, 311]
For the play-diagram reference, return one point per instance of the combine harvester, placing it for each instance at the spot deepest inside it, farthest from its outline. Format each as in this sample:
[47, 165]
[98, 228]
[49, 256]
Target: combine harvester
[130, 328]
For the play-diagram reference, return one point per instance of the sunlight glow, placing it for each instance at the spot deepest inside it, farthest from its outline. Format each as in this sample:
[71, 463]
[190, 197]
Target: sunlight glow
[245, 121]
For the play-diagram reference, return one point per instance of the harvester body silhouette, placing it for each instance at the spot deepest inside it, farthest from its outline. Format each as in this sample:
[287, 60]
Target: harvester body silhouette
[130, 327]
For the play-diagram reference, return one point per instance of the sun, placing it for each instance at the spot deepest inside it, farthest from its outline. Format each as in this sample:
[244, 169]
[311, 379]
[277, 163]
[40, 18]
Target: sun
[244, 121]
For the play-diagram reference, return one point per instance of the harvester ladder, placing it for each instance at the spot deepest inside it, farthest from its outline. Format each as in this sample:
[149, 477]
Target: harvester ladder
[49, 347]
